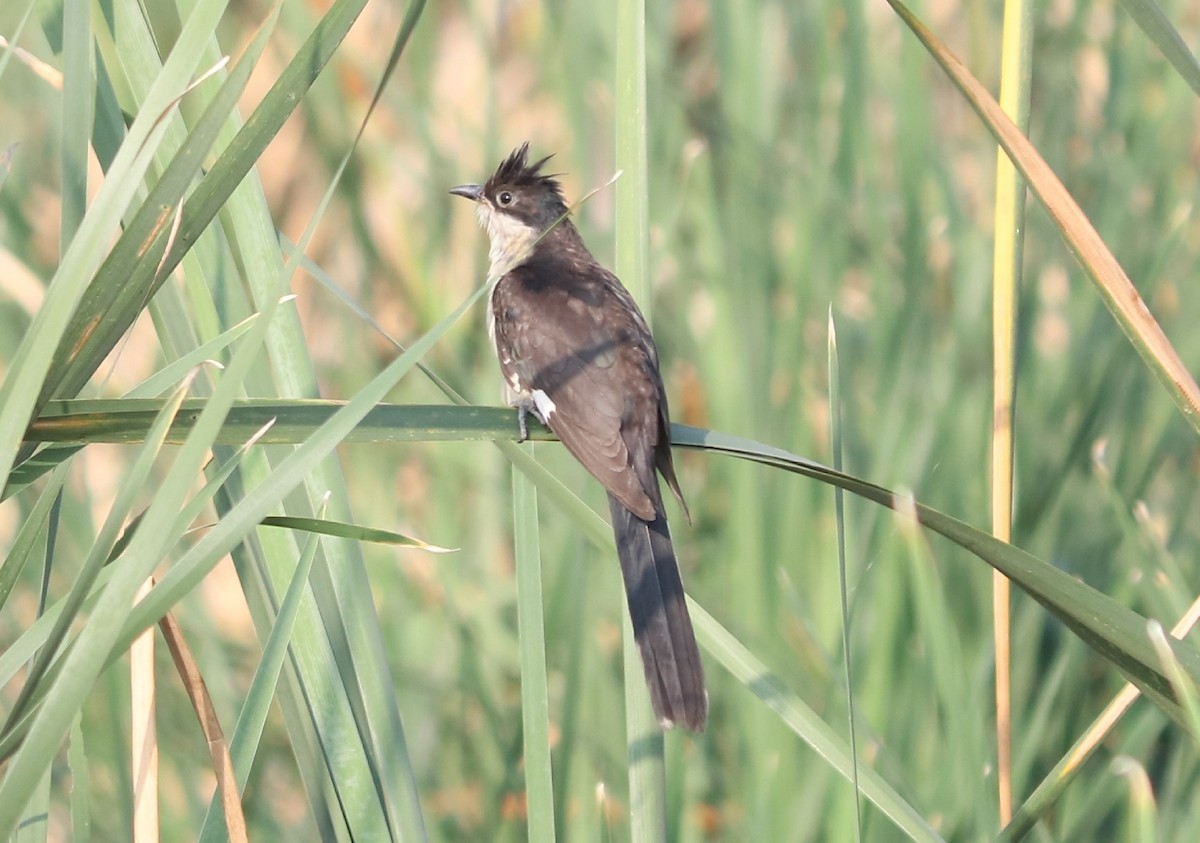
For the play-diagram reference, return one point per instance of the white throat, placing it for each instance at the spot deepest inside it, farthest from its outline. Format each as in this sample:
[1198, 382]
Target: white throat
[509, 239]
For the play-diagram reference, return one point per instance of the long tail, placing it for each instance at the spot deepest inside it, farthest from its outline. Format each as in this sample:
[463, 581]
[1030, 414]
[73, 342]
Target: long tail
[661, 625]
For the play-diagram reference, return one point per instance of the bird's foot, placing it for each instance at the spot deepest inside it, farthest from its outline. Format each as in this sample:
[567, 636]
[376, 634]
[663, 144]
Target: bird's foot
[525, 403]
[524, 407]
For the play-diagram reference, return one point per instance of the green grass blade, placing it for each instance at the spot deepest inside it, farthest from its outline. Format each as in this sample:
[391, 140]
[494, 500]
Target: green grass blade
[36, 466]
[15, 38]
[1114, 286]
[165, 378]
[98, 554]
[742, 663]
[247, 513]
[806, 723]
[1111, 629]
[16, 654]
[1155, 23]
[835, 429]
[357, 532]
[647, 770]
[83, 664]
[32, 361]
[348, 653]
[1184, 686]
[174, 371]
[77, 117]
[35, 637]
[125, 421]
[33, 759]
[35, 825]
[1008, 251]
[737, 658]
[1143, 813]
[247, 733]
[535, 706]
[130, 274]
[31, 528]
[77, 763]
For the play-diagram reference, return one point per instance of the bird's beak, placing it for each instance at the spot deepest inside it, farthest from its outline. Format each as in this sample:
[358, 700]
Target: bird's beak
[474, 192]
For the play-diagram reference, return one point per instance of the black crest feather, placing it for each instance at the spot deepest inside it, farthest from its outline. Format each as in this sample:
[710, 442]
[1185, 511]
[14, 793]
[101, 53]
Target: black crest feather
[517, 171]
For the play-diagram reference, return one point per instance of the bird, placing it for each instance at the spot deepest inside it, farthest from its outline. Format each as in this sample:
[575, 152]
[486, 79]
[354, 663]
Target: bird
[576, 353]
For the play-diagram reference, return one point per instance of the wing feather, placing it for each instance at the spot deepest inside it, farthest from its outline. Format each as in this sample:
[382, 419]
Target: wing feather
[587, 348]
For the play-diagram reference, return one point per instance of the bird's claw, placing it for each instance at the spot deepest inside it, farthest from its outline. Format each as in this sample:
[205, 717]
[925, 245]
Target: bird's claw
[524, 404]
[522, 410]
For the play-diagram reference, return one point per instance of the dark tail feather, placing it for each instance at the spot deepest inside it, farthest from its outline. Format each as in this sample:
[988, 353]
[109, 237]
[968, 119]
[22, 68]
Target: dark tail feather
[661, 625]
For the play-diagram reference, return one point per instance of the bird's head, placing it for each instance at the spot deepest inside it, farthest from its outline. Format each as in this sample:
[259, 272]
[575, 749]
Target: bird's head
[516, 205]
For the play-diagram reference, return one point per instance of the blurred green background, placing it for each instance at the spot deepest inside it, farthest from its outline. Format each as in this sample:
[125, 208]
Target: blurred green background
[802, 157]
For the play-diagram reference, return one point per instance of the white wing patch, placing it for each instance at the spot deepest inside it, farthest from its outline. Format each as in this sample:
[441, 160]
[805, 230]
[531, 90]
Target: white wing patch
[544, 405]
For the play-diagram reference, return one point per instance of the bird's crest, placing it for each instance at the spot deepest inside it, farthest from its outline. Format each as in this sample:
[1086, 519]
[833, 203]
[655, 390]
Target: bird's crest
[517, 171]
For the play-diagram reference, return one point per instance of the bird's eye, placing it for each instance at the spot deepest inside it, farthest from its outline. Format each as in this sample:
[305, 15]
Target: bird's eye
[505, 198]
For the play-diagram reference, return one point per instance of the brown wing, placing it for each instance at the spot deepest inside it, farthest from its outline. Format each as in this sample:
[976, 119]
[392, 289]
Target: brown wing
[583, 343]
